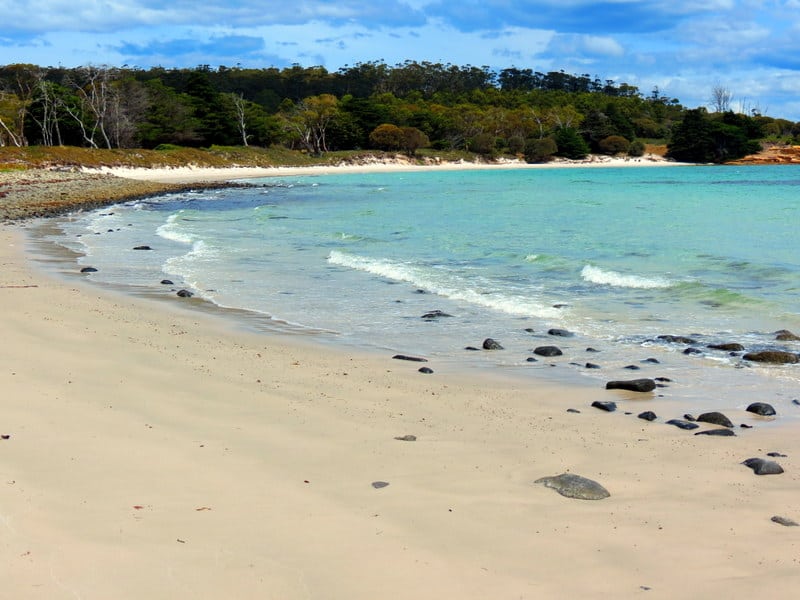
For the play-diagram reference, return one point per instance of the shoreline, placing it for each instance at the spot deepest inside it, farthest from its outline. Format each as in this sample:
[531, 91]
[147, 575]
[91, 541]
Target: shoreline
[157, 452]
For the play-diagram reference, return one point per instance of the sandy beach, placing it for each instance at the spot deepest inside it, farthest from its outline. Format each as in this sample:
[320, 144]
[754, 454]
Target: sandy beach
[153, 452]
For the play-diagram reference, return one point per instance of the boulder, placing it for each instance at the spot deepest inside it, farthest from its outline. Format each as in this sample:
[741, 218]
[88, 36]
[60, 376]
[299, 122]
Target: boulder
[681, 424]
[575, 486]
[763, 467]
[772, 356]
[761, 408]
[715, 418]
[633, 385]
[548, 351]
[717, 432]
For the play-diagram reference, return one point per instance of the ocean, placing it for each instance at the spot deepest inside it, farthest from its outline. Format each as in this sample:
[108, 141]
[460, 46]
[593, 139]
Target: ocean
[430, 263]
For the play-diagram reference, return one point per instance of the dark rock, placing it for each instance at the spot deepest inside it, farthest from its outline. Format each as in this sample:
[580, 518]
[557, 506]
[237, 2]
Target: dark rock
[727, 347]
[776, 455]
[529, 330]
[531, 359]
[772, 356]
[88, 270]
[796, 402]
[632, 367]
[663, 379]
[575, 486]
[716, 432]
[472, 349]
[406, 438]
[784, 335]
[633, 385]
[426, 370]
[783, 521]
[715, 418]
[761, 408]
[653, 361]
[590, 349]
[185, 293]
[434, 314]
[560, 332]
[604, 405]
[592, 366]
[763, 467]
[490, 344]
[411, 358]
[647, 415]
[745, 426]
[573, 410]
[681, 424]
[166, 282]
[379, 484]
[560, 305]
[142, 248]
[548, 351]
[676, 339]
[692, 351]
[689, 417]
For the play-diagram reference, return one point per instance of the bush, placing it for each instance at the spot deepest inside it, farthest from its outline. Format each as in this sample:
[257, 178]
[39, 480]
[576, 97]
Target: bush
[387, 137]
[570, 144]
[636, 148]
[540, 150]
[614, 144]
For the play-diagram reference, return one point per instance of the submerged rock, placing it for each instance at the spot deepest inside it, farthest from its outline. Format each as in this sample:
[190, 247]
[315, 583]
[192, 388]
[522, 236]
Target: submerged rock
[763, 467]
[142, 248]
[761, 408]
[727, 347]
[490, 344]
[784, 335]
[676, 339]
[560, 332]
[633, 385]
[772, 356]
[575, 486]
[715, 418]
[88, 270]
[185, 294]
[167, 282]
[434, 314]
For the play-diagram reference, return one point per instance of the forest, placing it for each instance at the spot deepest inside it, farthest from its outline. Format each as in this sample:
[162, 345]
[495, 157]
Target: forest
[369, 105]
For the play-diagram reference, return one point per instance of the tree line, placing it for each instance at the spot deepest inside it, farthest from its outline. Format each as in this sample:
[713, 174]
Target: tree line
[369, 105]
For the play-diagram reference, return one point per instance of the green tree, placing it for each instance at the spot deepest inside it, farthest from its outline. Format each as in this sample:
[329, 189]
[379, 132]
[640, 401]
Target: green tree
[386, 137]
[570, 144]
[538, 150]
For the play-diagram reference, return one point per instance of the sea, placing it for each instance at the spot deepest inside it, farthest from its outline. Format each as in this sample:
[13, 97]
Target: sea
[598, 262]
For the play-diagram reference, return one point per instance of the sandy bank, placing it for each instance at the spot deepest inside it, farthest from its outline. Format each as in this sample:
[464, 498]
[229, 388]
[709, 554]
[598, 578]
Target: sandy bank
[194, 174]
[156, 453]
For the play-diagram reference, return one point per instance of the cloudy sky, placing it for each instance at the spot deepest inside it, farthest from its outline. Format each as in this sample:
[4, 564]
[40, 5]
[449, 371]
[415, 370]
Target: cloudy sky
[686, 48]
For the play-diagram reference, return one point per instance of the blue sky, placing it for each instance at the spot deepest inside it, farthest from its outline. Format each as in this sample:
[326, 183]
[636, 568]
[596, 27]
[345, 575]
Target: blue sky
[749, 47]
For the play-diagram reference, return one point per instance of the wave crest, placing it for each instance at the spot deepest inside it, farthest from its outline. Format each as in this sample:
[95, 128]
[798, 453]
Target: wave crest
[600, 276]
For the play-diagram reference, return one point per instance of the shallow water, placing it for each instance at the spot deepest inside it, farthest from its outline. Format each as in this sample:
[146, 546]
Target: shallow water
[616, 256]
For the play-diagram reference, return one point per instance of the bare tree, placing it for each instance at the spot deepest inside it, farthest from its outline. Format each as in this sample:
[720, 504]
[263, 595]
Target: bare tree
[721, 98]
[238, 102]
[48, 123]
[93, 92]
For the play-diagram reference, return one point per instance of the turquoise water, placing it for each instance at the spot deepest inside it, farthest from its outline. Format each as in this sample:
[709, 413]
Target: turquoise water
[616, 256]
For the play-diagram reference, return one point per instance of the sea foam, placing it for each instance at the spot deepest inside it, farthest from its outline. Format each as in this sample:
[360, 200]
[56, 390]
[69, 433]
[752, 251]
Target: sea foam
[615, 279]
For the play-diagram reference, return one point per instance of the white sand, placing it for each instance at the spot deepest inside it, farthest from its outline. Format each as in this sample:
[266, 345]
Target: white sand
[196, 174]
[156, 453]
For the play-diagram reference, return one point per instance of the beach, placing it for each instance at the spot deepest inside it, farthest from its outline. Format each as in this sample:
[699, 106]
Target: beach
[159, 452]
